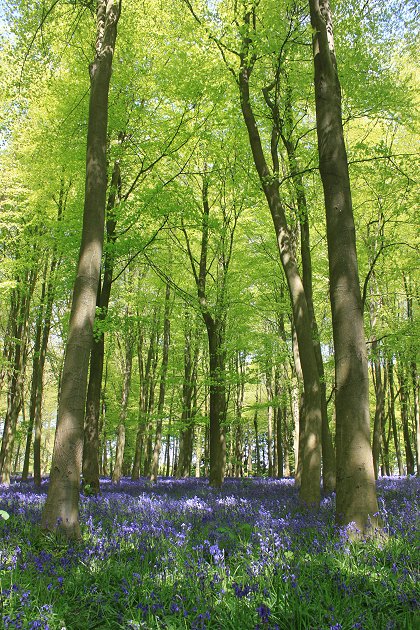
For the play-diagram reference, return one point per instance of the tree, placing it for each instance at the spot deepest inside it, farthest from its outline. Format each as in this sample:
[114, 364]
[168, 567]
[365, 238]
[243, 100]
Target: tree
[61, 511]
[356, 492]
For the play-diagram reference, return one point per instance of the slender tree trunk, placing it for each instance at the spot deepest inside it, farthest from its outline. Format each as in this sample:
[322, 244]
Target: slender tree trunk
[256, 433]
[269, 423]
[43, 327]
[215, 325]
[249, 457]
[298, 402]
[166, 458]
[125, 394]
[146, 387]
[35, 378]
[103, 460]
[415, 383]
[93, 400]
[279, 432]
[37, 410]
[385, 446]
[175, 451]
[409, 457]
[162, 386]
[150, 411]
[379, 421]
[413, 351]
[168, 448]
[286, 444]
[217, 406]
[61, 510]
[295, 413]
[310, 492]
[391, 404]
[198, 453]
[17, 376]
[356, 491]
[286, 132]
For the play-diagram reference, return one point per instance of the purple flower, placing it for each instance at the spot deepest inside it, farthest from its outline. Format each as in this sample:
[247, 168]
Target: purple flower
[264, 613]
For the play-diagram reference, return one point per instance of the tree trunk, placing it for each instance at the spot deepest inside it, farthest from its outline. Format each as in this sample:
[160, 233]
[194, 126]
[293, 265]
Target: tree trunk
[286, 132]
[257, 437]
[215, 325]
[35, 377]
[379, 421]
[409, 457]
[413, 372]
[415, 383]
[356, 491]
[269, 424]
[162, 386]
[93, 400]
[198, 453]
[146, 387]
[391, 405]
[217, 405]
[61, 510]
[43, 327]
[298, 402]
[125, 394]
[40, 387]
[17, 376]
[310, 492]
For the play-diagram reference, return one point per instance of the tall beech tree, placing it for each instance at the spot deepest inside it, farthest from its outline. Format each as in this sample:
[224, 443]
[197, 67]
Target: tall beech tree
[61, 510]
[311, 419]
[356, 491]
[285, 128]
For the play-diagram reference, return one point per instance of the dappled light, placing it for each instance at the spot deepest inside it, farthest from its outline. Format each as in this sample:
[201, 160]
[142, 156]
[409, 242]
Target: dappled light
[179, 552]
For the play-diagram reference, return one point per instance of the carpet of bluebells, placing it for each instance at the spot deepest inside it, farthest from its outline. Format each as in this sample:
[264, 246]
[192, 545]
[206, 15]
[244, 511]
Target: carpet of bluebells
[180, 554]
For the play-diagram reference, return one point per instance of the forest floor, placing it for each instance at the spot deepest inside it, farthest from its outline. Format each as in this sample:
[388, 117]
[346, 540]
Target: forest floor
[180, 554]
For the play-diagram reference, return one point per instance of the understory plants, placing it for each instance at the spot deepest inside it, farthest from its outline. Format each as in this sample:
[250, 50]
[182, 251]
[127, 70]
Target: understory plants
[179, 554]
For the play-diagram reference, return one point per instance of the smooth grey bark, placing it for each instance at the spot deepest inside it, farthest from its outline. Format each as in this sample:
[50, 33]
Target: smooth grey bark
[356, 490]
[61, 510]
